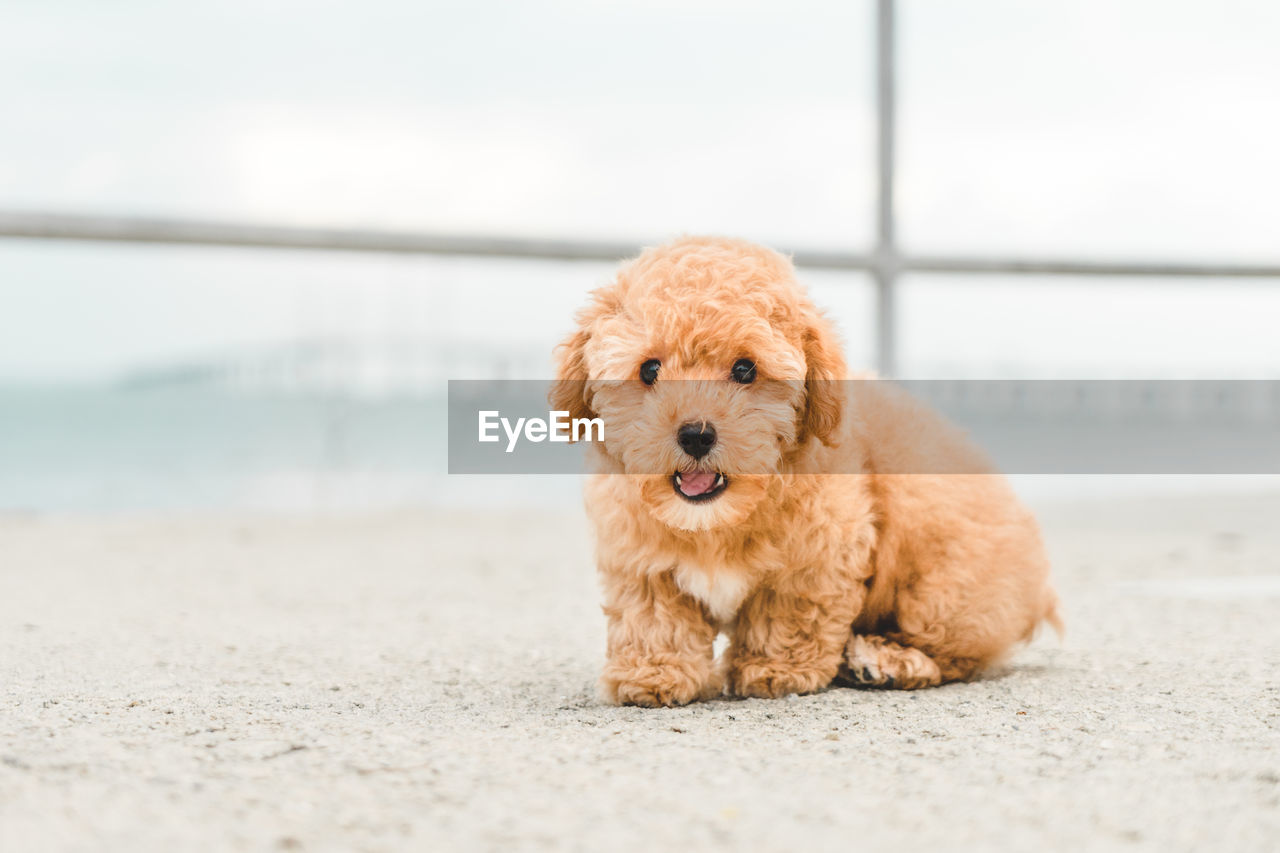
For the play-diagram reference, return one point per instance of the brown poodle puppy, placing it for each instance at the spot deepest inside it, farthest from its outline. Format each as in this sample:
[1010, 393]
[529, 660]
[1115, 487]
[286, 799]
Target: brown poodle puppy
[763, 498]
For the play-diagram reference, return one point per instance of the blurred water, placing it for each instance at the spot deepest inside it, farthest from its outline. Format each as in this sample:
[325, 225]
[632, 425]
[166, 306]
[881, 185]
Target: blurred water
[95, 449]
[89, 449]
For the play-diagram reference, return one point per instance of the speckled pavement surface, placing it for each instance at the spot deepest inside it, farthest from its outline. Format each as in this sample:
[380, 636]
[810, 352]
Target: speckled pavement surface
[426, 681]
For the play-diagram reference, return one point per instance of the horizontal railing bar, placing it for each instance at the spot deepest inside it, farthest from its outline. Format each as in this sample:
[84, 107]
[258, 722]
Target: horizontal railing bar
[121, 229]
[129, 229]
[45, 226]
[1049, 266]
[58, 226]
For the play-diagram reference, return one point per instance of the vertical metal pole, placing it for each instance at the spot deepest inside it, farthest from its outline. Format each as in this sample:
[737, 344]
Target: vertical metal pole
[885, 260]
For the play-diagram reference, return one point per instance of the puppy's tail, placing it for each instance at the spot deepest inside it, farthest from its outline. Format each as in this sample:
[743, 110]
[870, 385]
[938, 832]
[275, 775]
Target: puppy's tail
[1051, 613]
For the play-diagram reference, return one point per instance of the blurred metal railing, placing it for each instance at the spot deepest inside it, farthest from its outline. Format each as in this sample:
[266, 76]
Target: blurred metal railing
[885, 263]
[130, 229]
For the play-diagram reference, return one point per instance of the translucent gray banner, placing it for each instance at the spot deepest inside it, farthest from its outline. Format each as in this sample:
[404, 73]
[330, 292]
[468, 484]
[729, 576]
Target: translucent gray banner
[1022, 426]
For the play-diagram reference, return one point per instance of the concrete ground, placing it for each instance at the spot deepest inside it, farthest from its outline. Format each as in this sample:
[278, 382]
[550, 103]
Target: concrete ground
[425, 681]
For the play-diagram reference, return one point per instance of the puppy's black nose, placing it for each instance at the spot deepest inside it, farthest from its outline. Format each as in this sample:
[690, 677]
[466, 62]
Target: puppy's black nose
[697, 439]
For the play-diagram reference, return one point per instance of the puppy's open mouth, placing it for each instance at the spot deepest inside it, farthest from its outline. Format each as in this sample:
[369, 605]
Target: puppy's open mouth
[699, 486]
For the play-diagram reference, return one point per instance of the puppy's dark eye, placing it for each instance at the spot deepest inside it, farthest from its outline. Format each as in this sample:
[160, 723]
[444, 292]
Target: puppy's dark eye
[744, 371]
[649, 371]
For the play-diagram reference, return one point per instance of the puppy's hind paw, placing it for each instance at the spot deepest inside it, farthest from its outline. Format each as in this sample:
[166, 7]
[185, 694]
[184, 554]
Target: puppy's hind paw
[876, 662]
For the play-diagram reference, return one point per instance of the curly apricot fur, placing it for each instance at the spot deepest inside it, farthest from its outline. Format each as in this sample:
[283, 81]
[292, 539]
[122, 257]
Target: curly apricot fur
[894, 580]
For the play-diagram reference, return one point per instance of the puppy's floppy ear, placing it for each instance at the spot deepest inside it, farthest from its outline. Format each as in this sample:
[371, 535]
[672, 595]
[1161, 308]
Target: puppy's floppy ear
[569, 391]
[824, 398]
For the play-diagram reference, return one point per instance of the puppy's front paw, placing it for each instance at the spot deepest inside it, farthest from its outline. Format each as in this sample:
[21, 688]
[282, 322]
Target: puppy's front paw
[768, 679]
[658, 682]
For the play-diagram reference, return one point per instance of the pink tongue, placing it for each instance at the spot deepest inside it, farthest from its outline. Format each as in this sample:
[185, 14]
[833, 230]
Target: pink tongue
[694, 483]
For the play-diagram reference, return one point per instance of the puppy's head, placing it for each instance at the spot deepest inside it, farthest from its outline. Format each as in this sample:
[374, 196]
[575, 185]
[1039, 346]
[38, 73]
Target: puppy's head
[710, 368]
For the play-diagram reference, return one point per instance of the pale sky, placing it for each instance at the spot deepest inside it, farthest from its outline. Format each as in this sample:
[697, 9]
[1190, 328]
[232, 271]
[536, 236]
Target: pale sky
[1131, 129]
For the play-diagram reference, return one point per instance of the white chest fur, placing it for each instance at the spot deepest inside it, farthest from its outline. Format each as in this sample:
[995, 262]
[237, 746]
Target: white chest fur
[722, 591]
